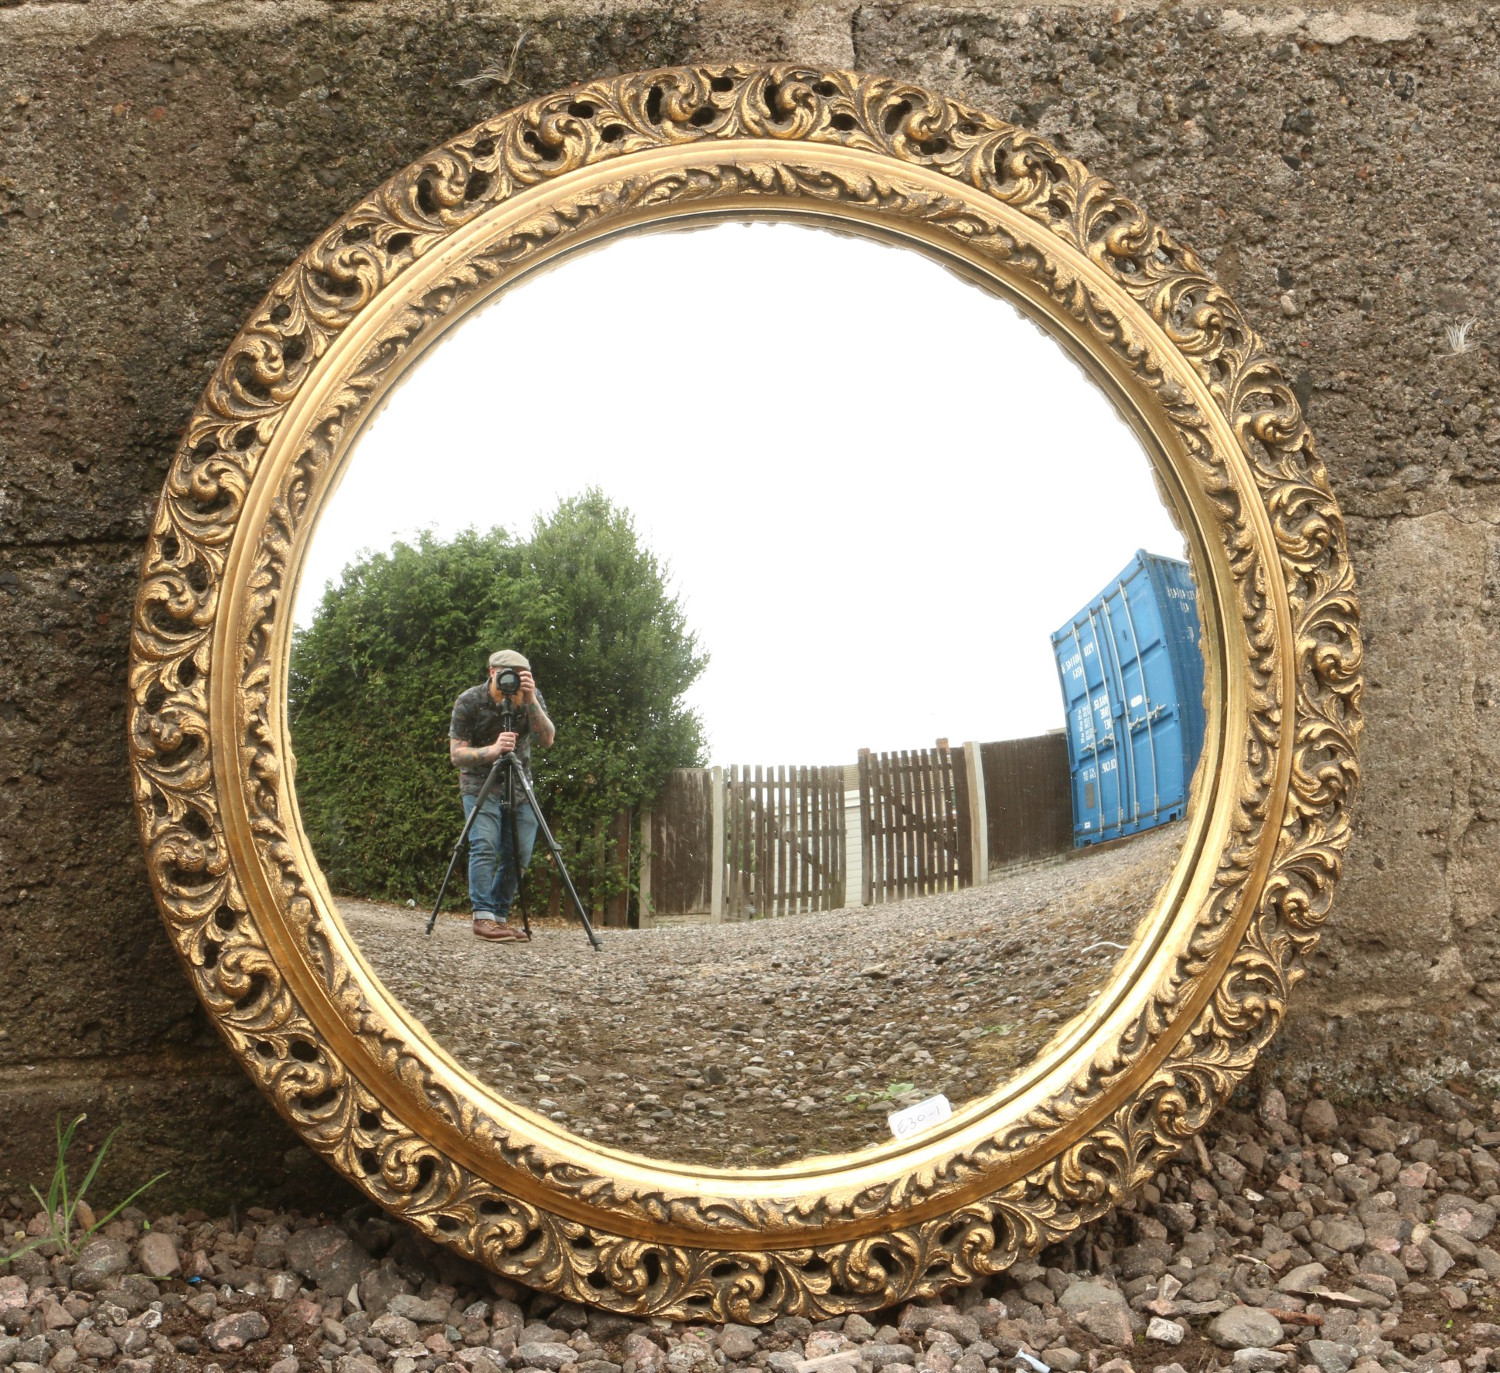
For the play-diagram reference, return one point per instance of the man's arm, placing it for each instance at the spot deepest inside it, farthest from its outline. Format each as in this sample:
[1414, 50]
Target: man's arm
[536, 710]
[541, 725]
[465, 755]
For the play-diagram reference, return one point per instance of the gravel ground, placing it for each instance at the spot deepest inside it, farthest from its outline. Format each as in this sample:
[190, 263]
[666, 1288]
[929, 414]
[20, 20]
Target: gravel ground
[1302, 1239]
[678, 1041]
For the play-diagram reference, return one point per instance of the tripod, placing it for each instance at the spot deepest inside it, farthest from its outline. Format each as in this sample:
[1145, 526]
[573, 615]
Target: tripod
[515, 775]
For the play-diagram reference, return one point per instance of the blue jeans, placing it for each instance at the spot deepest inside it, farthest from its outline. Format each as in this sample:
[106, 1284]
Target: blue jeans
[493, 874]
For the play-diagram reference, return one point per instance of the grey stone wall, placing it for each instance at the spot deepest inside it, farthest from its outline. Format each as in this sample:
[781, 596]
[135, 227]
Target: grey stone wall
[161, 162]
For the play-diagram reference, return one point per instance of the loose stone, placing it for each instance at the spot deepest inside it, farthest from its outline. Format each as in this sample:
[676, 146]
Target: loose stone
[1164, 1331]
[1254, 1360]
[1331, 1357]
[1245, 1327]
[236, 1331]
[1319, 1119]
[158, 1255]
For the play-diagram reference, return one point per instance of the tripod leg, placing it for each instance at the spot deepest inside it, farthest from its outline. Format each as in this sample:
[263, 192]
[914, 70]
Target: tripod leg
[484, 791]
[583, 918]
[515, 837]
[555, 850]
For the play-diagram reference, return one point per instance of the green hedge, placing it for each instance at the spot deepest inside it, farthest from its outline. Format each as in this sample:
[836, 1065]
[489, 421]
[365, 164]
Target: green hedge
[373, 680]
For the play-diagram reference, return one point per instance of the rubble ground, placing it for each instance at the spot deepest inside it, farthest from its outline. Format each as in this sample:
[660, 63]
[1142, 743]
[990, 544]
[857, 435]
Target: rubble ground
[1301, 1238]
[678, 1041]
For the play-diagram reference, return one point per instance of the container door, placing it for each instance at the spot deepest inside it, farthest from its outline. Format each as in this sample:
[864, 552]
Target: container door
[1152, 618]
[1178, 599]
[1099, 805]
[1083, 771]
[1116, 780]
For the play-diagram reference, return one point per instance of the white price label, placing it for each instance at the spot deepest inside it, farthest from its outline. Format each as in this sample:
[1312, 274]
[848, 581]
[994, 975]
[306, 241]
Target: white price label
[923, 1116]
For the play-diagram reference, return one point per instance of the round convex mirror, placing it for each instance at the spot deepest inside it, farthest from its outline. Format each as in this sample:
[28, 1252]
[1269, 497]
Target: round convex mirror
[952, 814]
[809, 614]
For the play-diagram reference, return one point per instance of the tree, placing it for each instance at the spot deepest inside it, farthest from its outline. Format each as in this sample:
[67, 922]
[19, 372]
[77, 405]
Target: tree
[373, 678]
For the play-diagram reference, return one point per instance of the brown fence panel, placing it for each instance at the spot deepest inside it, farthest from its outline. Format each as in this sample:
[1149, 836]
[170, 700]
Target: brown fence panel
[908, 806]
[783, 854]
[955, 839]
[616, 913]
[902, 859]
[735, 840]
[961, 820]
[783, 841]
[759, 855]
[682, 846]
[869, 828]
[889, 814]
[1027, 798]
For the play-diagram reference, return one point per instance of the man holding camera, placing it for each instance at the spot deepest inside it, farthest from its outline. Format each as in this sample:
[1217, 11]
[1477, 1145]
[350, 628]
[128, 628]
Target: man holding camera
[501, 837]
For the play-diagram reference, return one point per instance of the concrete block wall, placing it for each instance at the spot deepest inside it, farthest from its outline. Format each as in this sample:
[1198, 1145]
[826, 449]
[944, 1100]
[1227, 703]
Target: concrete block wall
[161, 162]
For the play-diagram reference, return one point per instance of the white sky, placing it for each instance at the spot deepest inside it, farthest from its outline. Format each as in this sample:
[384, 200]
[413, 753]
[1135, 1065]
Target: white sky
[850, 459]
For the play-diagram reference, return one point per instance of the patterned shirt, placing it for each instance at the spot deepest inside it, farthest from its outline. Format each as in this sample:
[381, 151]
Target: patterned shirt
[476, 721]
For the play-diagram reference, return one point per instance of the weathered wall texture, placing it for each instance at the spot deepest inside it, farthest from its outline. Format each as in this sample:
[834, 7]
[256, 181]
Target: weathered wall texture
[161, 163]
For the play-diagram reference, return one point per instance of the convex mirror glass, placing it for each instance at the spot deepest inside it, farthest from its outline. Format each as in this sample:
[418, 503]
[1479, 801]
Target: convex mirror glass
[742, 544]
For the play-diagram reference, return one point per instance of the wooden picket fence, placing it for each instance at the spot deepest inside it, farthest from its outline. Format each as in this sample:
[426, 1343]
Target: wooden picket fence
[1028, 799]
[746, 843]
[909, 824]
[783, 841]
[677, 848]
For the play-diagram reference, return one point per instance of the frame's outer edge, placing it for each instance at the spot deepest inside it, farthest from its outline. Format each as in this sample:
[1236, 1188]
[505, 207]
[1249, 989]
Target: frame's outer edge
[207, 663]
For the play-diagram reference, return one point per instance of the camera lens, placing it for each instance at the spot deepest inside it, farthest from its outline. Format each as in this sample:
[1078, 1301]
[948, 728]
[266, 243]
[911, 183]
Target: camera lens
[510, 681]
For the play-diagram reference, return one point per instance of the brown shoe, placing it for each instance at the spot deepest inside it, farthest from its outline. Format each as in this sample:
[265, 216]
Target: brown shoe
[493, 929]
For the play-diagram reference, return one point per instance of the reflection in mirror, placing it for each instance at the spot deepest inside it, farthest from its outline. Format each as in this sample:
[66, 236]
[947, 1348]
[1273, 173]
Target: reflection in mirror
[857, 673]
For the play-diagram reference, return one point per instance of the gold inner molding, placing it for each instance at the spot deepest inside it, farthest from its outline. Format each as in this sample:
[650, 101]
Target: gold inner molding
[1202, 987]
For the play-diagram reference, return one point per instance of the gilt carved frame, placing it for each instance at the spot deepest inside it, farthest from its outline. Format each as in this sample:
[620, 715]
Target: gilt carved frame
[1203, 987]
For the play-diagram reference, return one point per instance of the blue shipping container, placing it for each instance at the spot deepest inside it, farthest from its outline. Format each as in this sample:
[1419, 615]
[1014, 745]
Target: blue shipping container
[1132, 682]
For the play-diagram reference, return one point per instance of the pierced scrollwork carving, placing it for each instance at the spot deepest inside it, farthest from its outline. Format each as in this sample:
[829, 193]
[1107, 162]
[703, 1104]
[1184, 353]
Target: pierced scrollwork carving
[1194, 1002]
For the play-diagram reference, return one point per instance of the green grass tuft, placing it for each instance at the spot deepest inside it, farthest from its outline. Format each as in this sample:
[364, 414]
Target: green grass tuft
[60, 1205]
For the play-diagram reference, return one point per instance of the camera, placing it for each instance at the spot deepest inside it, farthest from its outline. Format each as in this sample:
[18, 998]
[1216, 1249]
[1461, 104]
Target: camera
[509, 681]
